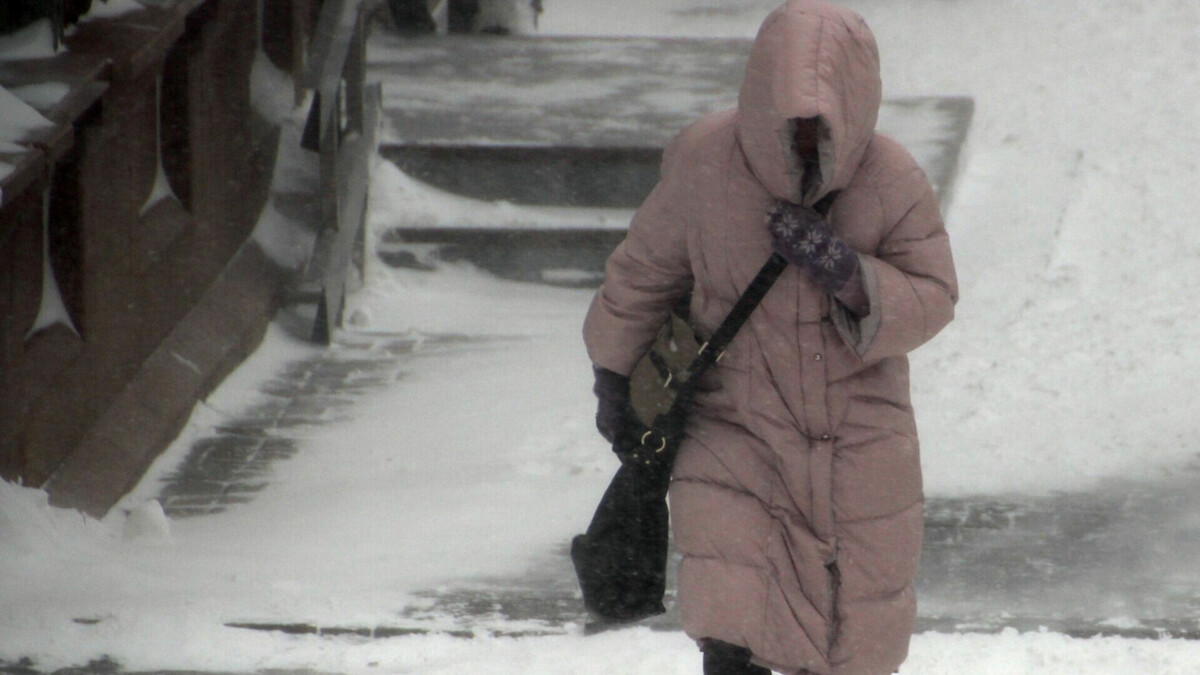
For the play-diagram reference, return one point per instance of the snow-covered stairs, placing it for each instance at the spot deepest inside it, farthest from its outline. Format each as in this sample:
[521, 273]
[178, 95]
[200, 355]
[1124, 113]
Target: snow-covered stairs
[529, 154]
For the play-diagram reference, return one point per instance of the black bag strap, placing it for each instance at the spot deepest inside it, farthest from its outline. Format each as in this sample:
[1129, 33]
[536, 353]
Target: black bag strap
[714, 348]
[664, 432]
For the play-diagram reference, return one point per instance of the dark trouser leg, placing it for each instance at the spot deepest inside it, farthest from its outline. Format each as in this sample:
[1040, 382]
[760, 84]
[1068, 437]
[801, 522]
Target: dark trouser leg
[411, 16]
[462, 15]
[722, 658]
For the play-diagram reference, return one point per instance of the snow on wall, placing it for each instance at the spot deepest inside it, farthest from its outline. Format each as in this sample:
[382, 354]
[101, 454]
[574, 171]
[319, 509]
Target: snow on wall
[398, 200]
[52, 310]
[42, 96]
[162, 187]
[110, 9]
[17, 121]
[35, 41]
[272, 91]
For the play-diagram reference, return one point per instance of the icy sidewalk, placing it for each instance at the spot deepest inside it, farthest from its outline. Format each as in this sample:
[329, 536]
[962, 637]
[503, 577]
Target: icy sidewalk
[1114, 561]
[234, 459]
[1077, 564]
[1080, 564]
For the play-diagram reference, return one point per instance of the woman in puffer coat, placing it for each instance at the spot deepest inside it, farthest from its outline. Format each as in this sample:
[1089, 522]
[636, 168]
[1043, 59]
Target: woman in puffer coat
[796, 497]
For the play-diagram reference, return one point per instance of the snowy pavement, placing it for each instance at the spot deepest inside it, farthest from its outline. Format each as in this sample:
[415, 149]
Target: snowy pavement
[1080, 563]
[405, 522]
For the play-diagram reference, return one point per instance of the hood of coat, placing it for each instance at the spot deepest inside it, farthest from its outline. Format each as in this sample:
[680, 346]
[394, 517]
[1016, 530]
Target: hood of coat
[811, 59]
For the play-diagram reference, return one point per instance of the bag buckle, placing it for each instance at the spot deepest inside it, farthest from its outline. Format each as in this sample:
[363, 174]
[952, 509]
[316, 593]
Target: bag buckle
[705, 346]
[662, 445]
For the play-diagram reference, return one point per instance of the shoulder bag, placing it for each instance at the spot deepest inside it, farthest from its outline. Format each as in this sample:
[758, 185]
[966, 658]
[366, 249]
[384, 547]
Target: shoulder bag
[621, 560]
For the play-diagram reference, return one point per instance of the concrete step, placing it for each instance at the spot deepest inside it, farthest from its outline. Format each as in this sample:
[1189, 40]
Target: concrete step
[582, 121]
[544, 123]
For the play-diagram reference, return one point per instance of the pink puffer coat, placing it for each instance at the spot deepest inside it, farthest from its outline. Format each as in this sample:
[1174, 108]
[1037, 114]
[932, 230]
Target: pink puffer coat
[796, 497]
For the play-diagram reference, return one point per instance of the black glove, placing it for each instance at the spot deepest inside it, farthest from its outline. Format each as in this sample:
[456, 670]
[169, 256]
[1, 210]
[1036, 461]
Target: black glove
[614, 407]
[805, 238]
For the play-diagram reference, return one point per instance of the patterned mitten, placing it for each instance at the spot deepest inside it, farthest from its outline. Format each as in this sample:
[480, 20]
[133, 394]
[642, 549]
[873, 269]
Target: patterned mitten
[805, 238]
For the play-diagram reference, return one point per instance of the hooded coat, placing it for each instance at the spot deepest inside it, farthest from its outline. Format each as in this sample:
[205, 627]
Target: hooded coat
[796, 497]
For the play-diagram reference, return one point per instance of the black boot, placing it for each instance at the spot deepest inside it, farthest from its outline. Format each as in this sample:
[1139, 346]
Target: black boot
[722, 658]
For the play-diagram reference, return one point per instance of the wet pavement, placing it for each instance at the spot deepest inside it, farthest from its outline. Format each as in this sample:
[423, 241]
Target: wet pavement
[1118, 560]
[1082, 565]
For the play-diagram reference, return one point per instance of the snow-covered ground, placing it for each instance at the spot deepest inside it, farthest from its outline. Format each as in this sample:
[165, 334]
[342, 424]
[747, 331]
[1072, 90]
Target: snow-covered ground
[1072, 363]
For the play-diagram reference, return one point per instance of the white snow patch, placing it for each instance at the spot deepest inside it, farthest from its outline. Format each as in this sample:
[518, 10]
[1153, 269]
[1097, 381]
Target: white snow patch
[272, 91]
[35, 41]
[42, 96]
[398, 200]
[31, 528]
[147, 522]
[296, 176]
[162, 187]
[51, 310]
[111, 9]
[280, 238]
[515, 16]
[17, 121]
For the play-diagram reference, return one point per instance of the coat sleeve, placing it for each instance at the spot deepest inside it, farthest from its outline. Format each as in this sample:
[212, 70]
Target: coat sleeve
[910, 280]
[647, 274]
